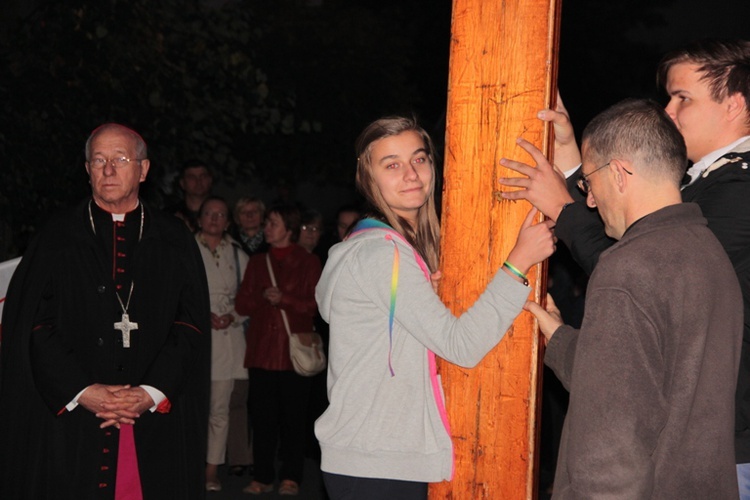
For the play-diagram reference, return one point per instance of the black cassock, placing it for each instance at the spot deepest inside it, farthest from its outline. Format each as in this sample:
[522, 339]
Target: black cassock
[59, 337]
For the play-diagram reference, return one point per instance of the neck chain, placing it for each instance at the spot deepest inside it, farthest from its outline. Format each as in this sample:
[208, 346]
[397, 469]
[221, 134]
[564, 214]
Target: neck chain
[124, 325]
[130, 294]
[140, 231]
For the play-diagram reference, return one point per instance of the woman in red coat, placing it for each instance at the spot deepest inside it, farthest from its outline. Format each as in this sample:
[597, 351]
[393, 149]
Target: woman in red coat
[278, 396]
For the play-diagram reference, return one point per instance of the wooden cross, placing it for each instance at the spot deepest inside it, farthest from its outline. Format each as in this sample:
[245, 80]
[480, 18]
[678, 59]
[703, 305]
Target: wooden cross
[502, 72]
[125, 326]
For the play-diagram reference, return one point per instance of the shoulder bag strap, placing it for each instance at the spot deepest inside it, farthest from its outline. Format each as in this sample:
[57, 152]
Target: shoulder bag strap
[273, 282]
[237, 265]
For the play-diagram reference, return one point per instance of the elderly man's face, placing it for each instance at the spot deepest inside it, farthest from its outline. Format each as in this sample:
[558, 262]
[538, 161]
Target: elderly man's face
[115, 188]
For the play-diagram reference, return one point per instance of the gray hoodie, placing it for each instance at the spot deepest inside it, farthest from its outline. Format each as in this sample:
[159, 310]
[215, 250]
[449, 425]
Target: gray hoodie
[386, 417]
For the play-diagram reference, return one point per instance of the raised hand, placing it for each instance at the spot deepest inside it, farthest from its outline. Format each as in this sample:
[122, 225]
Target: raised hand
[567, 154]
[544, 186]
[535, 242]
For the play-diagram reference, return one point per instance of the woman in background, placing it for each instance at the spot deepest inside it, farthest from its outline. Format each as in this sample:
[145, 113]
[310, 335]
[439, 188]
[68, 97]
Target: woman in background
[225, 264]
[278, 395]
[249, 213]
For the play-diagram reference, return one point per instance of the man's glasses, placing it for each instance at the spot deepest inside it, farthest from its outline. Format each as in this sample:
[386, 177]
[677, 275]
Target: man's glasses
[583, 181]
[120, 162]
[313, 229]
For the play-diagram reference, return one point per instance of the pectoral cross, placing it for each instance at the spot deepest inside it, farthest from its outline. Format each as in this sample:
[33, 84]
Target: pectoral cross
[125, 326]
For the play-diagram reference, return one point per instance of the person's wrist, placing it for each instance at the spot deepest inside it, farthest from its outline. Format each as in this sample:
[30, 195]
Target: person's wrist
[514, 276]
[564, 206]
[519, 274]
[517, 267]
[519, 259]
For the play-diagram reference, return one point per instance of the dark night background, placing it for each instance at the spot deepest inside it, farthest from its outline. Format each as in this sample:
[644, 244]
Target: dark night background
[272, 92]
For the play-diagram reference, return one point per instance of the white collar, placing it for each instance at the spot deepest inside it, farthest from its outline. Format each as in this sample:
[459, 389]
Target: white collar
[701, 165]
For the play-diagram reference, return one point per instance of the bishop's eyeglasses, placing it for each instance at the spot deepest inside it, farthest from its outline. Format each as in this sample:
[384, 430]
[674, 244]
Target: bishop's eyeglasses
[119, 162]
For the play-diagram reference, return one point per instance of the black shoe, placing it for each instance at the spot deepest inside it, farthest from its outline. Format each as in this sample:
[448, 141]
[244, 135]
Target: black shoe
[237, 470]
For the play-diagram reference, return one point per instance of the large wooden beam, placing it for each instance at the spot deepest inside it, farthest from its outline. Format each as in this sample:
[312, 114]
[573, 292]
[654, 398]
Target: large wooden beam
[502, 71]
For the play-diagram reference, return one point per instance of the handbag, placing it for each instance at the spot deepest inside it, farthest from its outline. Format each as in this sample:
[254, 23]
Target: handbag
[305, 349]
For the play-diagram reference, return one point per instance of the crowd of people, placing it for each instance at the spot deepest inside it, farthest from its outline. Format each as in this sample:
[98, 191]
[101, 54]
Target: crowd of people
[261, 411]
[144, 348]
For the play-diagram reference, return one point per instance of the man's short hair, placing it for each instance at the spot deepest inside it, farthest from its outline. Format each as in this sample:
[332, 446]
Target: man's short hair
[638, 130]
[195, 163]
[725, 65]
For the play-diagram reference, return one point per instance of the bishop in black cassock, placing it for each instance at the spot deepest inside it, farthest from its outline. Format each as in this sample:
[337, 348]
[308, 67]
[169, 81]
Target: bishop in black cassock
[85, 272]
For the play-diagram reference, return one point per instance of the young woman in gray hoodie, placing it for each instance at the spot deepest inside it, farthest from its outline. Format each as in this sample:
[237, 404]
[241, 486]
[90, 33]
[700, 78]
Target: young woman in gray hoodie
[385, 433]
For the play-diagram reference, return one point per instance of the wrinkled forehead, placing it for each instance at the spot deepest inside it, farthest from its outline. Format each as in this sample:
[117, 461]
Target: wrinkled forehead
[117, 139]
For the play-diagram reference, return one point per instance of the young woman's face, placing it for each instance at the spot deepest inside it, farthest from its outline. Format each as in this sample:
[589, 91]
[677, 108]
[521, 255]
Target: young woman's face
[276, 233]
[402, 171]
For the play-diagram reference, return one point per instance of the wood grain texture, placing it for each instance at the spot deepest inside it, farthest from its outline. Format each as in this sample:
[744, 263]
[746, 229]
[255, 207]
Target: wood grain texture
[502, 71]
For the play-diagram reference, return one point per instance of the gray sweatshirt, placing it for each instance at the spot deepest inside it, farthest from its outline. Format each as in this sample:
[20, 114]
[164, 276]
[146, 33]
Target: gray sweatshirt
[386, 416]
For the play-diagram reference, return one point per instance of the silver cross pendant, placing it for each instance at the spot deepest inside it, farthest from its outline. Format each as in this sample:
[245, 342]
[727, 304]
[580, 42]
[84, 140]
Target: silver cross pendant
[125, 326]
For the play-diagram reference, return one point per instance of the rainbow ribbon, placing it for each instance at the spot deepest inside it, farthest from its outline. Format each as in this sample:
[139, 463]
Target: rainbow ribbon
[368, 224]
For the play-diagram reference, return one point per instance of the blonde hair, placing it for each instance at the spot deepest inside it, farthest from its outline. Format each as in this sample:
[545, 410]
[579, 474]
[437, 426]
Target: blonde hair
[425, 235]
[245, 201]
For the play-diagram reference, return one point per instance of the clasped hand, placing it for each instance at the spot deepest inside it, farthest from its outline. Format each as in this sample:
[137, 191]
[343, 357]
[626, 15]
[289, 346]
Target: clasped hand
[116, 404]
[272, 295]
[221, 322]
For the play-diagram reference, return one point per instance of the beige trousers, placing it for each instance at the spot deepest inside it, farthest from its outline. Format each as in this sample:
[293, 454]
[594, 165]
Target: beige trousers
[218, 420]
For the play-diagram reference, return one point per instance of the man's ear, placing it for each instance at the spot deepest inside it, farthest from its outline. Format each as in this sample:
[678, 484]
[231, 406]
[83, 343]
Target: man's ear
[621, 171]
[145, 164]
[736, 107]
